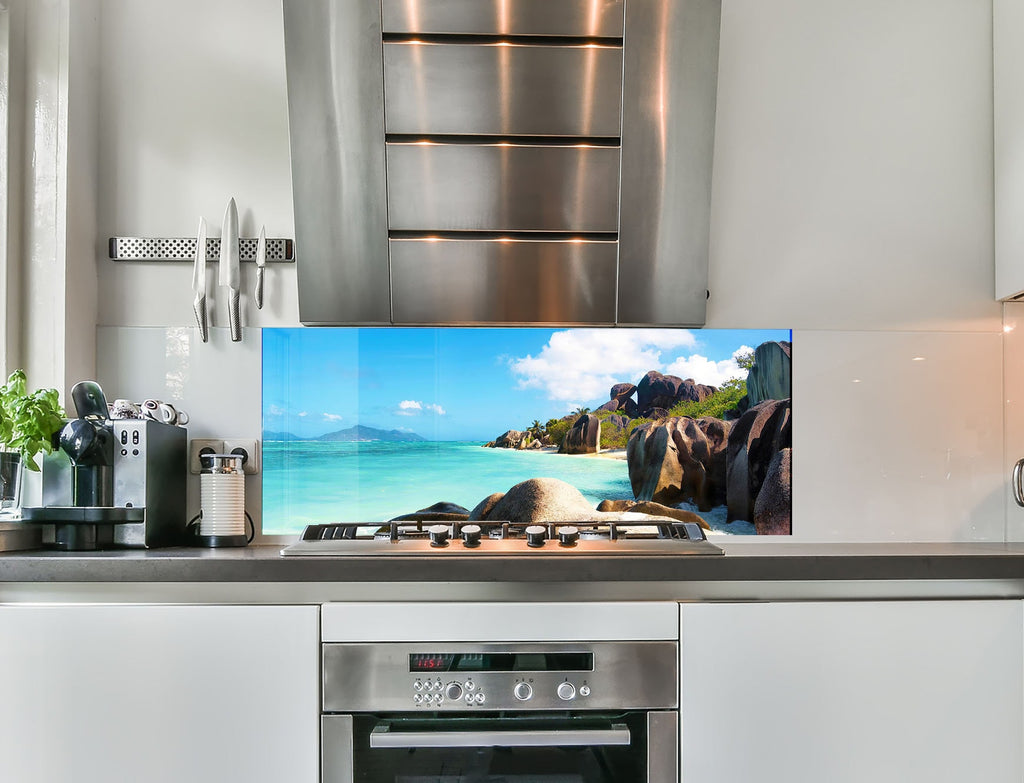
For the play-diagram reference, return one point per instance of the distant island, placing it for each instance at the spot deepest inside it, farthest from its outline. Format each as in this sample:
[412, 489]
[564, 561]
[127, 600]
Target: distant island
[357, 433]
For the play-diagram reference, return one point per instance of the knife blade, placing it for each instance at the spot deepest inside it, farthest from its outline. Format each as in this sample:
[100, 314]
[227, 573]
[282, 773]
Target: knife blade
[261, 263]
[229, 274]
[199, 282]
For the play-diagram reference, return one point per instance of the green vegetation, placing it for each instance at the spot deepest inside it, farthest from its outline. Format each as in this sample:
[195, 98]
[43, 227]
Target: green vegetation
[614, 438]
[726, 398]
[28, 422]
[555, 429]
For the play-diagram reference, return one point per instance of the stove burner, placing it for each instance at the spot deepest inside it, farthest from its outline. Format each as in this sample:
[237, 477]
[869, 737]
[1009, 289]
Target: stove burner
[409, 536]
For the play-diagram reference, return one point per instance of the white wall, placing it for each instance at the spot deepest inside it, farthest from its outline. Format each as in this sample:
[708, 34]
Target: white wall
[852, 202]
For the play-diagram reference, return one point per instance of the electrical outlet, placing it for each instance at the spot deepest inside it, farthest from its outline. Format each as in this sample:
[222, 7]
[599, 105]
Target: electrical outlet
[249, 449]
[199, 446]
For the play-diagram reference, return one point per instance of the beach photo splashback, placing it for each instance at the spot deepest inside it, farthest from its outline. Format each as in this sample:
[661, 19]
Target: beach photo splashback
[364, 424]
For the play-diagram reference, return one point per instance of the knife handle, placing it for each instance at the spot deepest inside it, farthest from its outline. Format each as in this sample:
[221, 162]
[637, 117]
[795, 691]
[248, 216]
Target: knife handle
[258, 295]
[199, 306]
[234, 317]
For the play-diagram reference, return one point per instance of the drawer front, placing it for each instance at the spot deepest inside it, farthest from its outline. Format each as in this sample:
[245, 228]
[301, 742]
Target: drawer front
[596, 18]
[502, 89]
[501, 187]
[511, 281]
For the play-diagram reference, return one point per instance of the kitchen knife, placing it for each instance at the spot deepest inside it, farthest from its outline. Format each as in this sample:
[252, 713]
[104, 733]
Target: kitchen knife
[261, 262]
[229, 275]
[199, 282]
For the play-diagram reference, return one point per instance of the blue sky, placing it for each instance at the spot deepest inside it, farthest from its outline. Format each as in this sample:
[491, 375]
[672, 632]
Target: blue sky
[472, 384]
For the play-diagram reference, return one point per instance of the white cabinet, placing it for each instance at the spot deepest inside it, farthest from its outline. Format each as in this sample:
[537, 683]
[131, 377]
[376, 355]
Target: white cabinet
[159, 694]
[852, 692]
[1008, 128]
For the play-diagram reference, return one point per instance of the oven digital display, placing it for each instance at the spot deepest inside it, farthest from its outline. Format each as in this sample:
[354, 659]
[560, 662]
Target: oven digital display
[501, 662]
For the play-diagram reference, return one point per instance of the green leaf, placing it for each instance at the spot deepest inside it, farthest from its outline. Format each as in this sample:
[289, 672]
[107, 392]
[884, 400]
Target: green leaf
[28, 422]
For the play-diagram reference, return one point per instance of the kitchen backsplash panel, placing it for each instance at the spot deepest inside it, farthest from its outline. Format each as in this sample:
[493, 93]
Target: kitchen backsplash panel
[913, 452]
[366, 424]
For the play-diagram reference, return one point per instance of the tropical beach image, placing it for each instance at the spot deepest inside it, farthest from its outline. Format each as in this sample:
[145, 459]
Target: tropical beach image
[369, 424]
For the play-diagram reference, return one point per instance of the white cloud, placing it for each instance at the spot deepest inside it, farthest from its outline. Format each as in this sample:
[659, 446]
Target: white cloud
[708, 372]
[276, 410]
[332, 417]
[588, 362]
[303, 414]
[415, 408]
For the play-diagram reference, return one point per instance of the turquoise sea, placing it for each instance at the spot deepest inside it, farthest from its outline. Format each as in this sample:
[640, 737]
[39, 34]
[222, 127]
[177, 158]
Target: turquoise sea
[373, 481]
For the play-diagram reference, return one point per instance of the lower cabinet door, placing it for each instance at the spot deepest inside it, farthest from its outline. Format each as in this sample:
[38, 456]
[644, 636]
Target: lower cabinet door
[852, 692]
[159, 694]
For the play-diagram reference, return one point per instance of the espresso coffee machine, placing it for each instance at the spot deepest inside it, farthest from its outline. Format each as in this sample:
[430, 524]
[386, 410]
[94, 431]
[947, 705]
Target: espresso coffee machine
[114, 482]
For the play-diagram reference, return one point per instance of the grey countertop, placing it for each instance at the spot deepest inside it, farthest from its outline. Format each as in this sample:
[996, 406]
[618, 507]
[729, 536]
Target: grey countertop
[759, 561]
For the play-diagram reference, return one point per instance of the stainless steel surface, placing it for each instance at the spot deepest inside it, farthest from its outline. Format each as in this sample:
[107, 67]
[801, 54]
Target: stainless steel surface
[457, 99]
[261, 263]
[503, 89]
[668, 131]
[383, 737]
[279, 251]
[336, 749]
[199, 282]
[513, 281]
[335, 78]
[376, 677]
[514, 548]
[228, 268]
[502, 187]
[662, 747]
[221, 463]
[18, 536]
[150, 467]
[592, 18]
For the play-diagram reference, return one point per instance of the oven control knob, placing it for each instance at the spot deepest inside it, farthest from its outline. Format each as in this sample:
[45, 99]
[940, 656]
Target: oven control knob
[568, 535]
[438, 535]
[453, 691]
[471, 535]
[522, 691]
[535, 535]
[566, 691]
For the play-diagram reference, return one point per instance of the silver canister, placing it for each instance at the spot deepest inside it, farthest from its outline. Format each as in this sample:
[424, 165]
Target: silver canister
[222, 497]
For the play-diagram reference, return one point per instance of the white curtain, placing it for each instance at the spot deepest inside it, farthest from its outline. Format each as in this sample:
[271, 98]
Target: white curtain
[5, 189]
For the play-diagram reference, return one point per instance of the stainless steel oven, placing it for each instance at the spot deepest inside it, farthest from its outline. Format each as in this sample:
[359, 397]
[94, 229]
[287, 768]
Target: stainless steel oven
[522, 712]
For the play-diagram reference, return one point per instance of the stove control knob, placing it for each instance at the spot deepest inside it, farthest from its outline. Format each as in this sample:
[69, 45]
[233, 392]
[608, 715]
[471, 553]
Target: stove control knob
[522, 691]
[568, 535]
[471, 535]
[438, 535]
[535, 535]
[453, 691]
[566, 691]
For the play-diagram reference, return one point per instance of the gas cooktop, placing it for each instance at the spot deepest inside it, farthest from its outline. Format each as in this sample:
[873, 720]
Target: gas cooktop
[595, 538]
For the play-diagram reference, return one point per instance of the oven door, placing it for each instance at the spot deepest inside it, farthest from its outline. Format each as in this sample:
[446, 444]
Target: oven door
[629, 747]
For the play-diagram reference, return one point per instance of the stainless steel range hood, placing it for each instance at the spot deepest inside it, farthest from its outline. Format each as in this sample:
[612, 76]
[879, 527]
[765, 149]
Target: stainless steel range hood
[502, 161]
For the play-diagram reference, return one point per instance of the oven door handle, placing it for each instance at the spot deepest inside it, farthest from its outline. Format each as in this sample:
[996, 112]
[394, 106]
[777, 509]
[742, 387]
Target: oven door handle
[382, 737]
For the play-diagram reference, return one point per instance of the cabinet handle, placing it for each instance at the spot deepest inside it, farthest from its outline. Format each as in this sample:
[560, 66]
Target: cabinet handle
[1018, 488]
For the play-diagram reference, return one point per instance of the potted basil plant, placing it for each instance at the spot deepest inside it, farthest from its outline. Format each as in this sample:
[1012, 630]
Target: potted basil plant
[28, 423]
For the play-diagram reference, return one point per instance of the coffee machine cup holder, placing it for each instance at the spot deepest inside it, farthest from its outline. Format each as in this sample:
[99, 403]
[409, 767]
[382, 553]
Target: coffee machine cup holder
[82, 528]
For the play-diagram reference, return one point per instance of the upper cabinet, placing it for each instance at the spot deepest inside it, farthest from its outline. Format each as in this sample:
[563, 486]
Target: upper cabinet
[1008, 116]
[507, 162]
